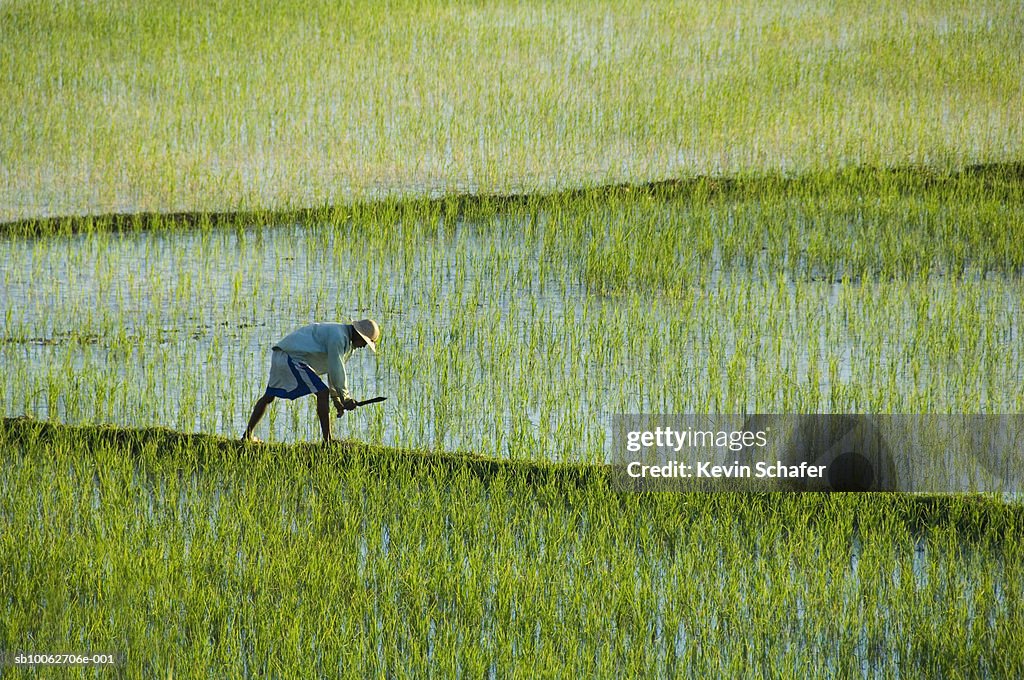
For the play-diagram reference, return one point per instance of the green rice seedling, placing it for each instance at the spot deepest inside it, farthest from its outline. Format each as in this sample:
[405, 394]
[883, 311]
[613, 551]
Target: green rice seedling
[512, 370]
[179, 114]
[811, 249]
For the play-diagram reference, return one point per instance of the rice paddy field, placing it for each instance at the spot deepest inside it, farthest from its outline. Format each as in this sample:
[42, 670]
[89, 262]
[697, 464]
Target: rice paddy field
[557, 213]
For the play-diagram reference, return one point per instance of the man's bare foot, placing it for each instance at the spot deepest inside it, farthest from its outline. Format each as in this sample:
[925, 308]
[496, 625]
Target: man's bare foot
[249, 439]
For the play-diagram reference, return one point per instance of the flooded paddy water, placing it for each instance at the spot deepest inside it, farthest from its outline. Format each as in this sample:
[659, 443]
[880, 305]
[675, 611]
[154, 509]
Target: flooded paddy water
[513, 334]
[506, 335]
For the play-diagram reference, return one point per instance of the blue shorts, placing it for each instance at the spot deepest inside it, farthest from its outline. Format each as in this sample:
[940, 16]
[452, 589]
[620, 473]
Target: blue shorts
[290, 378]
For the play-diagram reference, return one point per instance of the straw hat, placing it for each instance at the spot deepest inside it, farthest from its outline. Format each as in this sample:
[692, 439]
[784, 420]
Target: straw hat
[369, 331]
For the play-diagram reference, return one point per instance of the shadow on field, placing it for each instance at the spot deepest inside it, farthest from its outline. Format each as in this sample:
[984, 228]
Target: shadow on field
[202, 450]
[1004, 181]
[975, 516]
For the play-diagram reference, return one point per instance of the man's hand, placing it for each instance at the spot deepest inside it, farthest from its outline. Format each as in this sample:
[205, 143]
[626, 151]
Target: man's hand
[344, 404]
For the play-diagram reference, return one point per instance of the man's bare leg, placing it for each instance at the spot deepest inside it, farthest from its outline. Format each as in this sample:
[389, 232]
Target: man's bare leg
[257, 413]
[323, 412]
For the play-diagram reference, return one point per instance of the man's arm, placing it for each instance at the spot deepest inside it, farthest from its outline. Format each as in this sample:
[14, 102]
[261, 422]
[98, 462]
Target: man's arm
[337, 377]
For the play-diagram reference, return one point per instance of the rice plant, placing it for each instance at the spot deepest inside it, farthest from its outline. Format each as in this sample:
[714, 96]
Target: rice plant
[130, 107]
[196, 555]
[557, 213]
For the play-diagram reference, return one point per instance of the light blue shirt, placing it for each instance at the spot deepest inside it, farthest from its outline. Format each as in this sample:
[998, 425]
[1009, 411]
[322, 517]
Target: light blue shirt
[325, 347]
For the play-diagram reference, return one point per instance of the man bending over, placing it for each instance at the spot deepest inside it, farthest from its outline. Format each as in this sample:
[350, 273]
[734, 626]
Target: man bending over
[303, 356]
